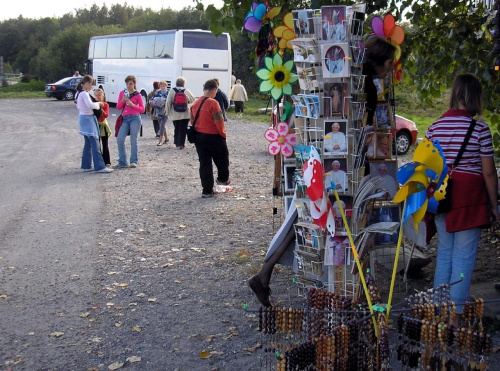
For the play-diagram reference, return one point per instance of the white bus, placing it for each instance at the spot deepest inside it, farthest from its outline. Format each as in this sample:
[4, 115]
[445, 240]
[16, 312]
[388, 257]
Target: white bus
[152, 56]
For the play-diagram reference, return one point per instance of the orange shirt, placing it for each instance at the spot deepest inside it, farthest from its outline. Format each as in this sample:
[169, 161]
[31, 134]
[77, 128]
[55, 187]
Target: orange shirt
[210, 119]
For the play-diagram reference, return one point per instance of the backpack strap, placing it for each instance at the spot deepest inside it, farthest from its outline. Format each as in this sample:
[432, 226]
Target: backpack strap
[464, 143]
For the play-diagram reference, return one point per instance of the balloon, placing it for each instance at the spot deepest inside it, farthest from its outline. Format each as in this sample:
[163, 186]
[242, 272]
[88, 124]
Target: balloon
[398, 34]
[389, 24]
[378, 26]
[259, 11]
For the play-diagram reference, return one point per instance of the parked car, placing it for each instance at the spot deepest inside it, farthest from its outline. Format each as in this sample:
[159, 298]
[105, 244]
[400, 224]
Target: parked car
[406, 134]
[63, 89]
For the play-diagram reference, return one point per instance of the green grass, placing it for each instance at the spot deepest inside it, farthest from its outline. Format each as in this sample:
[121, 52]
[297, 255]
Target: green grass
[32, 89]
[252, 113]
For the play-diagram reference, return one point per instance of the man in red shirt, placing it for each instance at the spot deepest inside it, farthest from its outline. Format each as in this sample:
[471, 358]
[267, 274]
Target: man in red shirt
[207, 118]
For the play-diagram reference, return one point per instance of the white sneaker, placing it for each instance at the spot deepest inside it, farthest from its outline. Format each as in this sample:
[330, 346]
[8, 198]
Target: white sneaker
[133, 165]
[105, 170]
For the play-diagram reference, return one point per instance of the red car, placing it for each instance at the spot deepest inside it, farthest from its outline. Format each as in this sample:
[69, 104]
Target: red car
[406, 134]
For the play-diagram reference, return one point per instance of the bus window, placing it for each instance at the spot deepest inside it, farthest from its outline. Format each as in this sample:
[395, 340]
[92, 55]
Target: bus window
[203, 40]
[91, 49]
[164, 46]
[100, 48]
[146, 46]
[114, 45]
[129, 47]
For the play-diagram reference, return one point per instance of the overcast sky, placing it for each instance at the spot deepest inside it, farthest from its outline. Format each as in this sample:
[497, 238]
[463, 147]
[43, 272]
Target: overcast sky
[57, 8]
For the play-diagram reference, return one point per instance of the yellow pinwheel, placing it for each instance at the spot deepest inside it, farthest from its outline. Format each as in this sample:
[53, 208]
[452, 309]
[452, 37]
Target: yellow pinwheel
[423, 181]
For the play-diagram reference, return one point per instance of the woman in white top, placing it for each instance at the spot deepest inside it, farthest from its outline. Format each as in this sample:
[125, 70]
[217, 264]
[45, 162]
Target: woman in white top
[89, 127]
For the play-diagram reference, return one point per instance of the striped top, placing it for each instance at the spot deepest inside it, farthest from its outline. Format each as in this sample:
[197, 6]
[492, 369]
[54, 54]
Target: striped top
[451, 129]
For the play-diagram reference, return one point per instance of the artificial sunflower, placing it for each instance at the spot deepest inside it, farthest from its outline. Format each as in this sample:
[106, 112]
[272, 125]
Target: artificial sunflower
[276, 77]
[285, 32]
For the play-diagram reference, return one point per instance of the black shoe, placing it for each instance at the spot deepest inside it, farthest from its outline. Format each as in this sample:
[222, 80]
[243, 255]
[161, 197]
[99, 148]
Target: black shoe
[260, 291]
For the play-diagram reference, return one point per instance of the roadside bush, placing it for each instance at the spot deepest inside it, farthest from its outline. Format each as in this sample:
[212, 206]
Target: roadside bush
[33, 85]
[26, 78]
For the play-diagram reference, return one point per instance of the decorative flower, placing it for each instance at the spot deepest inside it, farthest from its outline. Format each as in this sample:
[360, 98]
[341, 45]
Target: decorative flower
[257, 15]
[285, 32]
[276, 77]
[387, 28]
[423, 181]
[281, 140]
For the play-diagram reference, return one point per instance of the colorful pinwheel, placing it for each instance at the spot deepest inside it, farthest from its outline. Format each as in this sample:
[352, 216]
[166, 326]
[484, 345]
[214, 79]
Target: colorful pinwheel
[276, 77]
[423, 181]
[257, 15]
[285, 32]
[396, 34]
[280, 140]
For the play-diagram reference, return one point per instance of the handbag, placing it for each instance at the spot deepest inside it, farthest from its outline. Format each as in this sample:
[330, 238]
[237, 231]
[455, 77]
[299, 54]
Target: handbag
[191, 132]
[118, 124]
[445, 205]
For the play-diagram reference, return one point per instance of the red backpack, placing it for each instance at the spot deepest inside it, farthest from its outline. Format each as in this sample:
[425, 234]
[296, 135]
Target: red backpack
[180, 101]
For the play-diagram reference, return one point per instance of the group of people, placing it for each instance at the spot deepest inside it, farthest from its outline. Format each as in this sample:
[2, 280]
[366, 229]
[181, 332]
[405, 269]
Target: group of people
[206, 113]
[475, 182]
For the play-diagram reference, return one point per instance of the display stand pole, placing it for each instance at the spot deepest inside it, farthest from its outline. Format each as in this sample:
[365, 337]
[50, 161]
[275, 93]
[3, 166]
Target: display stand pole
[395, 269]
[356, 258]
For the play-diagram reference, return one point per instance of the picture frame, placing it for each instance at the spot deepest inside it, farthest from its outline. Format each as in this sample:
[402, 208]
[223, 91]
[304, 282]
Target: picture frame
[346, 203]
[385, 213]
[383, 116]
[335, 58]
[335, 137]
[303, 210]
[333, 23]
[308, 78]
[336, 175]
[289, 174]
[287, 201]
[357, 49]
[305, 50]
[303, 23]
[337, 250]
[380, 147]
[335, 99]
[387, 170]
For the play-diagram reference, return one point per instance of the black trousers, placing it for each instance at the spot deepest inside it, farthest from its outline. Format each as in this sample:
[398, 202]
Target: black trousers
[180, 130]
[105, 150]
[212, 147]
[156, 126]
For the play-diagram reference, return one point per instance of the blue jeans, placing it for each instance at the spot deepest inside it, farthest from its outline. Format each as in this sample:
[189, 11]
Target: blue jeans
[456, 255]
[133, 124]
[91, 153]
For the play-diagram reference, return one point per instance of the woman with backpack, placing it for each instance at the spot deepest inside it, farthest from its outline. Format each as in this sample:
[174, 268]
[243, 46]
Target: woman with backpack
[177, 109]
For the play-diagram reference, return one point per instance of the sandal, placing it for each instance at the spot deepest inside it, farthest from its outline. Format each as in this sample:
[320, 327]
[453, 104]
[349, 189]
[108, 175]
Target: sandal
[260, 291]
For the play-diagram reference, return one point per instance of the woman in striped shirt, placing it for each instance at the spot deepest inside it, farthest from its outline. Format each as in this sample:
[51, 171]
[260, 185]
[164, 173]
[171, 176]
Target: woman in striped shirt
[474, 201]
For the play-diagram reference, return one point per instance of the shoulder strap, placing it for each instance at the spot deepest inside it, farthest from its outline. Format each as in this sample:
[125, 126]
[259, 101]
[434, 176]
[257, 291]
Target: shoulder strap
[464, 144]
[176, 90]
[198, 113]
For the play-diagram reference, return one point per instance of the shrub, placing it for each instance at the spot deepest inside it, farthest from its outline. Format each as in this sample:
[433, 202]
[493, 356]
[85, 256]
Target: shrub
[33, 85]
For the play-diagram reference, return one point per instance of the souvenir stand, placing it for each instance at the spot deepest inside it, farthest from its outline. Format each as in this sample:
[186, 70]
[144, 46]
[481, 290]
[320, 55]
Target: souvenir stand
[346, 220]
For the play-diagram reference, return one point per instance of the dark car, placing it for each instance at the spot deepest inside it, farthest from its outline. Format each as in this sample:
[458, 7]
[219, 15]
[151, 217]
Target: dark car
[406, 134]
[63, 89]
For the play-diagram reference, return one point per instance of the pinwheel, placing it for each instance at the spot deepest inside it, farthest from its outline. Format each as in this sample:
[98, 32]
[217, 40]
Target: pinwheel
[396, 34]
[276, 77]
[388, 28]
[423, 181]
[257, 15]
[280, 140]
[285, 32]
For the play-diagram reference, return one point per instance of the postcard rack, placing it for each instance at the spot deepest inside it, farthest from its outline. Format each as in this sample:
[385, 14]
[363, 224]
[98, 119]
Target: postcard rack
[330, 116]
